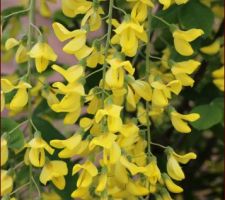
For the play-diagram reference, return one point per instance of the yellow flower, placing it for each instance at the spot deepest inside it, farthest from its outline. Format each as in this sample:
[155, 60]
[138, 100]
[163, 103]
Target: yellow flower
[6, 183]
[111, 150]
[138, 152]
[71, 146]
[42, 53]
[94, 104]
[161, 92]
[140, 9]
[167, 3]
[4, 151]
[141, 114]
[36, 151]
[184, 159]
[141, 88]
[11, 43]
[116, 73]
[2, 101]
[89, 171]
[20, 99]
[173, 159]
[102, 182]
[182, 72]
[178, 122]
[54, 171]
[81, 193]
[72, 8]
[71, 74]
[127, 142]
[93, 18]
[69, 104]
[152, 171]
[44, 8]
[21, 52]
[212, 48]
[182, 39]
[218, 76]
[173, 168]
[130, 99]
[171, 186]
[95, 57]
[135, 188]
[77, 45]
[62, 33]
[134, 169]
[127, 35]
[112, 112]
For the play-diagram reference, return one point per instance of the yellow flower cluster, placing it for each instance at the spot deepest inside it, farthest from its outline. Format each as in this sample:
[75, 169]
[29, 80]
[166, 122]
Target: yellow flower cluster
[115, 151]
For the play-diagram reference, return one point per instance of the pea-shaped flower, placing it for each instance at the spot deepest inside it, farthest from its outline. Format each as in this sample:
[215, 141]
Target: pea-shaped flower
[6, 183]
[36, 152]
[4, 151]
[218, 76]
[42, 53]
[182, 40]
[54, 171]
[178, 122]
[173, 167]
[89, 171]
[167, 3]
[21, 97]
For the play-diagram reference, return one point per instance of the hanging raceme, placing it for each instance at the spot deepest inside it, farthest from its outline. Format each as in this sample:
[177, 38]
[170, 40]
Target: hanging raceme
[123, 91]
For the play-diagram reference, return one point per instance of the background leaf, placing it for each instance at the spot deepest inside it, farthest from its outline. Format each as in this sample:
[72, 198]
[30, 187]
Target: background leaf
[210, 115]
[16, 138]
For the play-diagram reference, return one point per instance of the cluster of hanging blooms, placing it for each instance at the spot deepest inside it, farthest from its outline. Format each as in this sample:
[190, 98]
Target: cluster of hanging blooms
[112, 143]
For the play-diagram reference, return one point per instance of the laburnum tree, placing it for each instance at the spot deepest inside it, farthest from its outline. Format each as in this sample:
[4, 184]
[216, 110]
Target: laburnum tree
[139, 113]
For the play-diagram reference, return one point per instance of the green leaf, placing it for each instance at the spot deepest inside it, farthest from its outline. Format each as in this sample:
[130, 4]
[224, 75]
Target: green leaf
[16, 138]
[196, 15]
[210, 114]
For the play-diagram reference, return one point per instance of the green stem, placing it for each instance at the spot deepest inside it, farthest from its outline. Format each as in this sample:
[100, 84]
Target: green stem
[18, 165]
[109, 32]
[162, 20]
[35, 184]
[94, 72]
[123, 11]
[32, 124]
[159, 145]
[16, 13]
[29, 66]
[37, 29]
[19, 125]
[147, 66]
[19, 188]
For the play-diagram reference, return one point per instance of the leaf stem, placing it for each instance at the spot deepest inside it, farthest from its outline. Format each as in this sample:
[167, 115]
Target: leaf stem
[162, 20]
[16, 13]
[17, 126]
[123, 11]
[94, 72]
[19, 188]
[159, 145]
